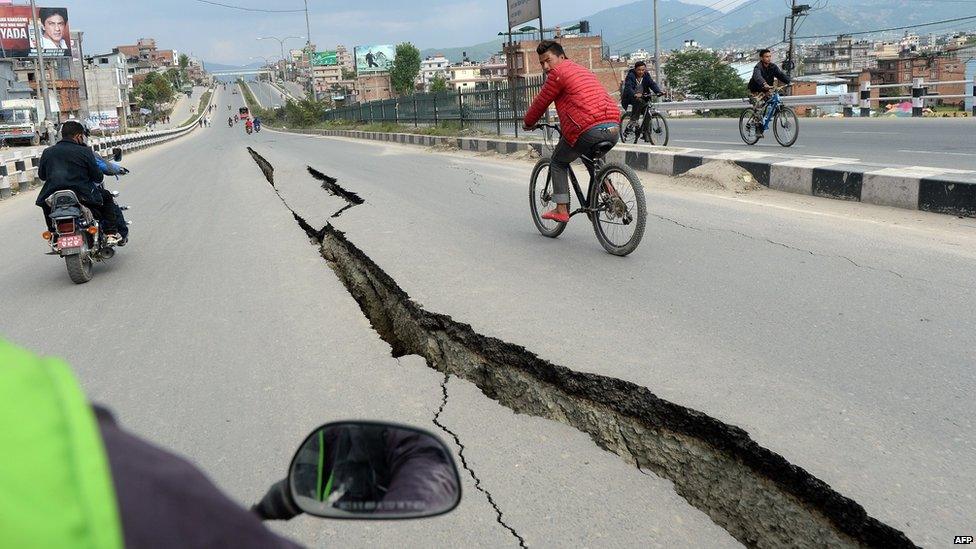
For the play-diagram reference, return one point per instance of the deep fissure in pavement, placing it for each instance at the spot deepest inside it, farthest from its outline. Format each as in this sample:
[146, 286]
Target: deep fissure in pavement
[331, 185]
[755, 494]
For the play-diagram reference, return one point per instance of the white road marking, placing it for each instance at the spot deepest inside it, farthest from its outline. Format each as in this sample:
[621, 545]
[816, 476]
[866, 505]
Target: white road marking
[937, 152]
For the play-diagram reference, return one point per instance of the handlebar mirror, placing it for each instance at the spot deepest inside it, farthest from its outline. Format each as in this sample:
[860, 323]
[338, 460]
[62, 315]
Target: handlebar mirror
[370, 471]
[117, 154]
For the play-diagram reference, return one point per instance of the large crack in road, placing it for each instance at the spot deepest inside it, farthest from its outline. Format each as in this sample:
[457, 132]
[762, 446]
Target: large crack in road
[753, 493]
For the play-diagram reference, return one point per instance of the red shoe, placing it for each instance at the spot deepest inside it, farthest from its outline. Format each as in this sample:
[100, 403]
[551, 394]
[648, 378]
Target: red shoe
[560, 217]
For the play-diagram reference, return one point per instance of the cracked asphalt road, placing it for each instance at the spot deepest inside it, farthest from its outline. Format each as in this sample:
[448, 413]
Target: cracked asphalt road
[221, 334]
[838, 335]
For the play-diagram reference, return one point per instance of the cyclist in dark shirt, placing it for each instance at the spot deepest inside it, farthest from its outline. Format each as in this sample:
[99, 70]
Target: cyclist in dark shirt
[764, 73]
[636, 90]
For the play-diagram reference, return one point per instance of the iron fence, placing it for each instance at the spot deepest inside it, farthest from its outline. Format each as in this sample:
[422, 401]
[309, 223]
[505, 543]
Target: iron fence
[500, 107]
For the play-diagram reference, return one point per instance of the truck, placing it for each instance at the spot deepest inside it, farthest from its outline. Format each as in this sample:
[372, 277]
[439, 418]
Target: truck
[23, 121]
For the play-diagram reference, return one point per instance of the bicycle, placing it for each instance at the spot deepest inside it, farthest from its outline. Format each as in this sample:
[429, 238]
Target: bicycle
[651, 125]
[614, 198]
[786, 126]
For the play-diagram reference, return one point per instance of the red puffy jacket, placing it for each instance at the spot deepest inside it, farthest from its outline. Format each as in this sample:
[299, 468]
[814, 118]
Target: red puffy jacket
[581, 100]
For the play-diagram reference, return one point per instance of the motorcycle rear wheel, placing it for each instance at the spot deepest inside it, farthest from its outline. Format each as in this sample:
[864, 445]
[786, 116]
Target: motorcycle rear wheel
[80, 267]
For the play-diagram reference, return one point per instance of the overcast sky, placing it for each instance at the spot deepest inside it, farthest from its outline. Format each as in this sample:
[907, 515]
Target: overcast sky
[228, 36]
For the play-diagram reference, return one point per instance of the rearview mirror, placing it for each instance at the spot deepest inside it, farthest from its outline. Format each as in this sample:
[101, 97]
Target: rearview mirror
[368, 471]
[117, 154]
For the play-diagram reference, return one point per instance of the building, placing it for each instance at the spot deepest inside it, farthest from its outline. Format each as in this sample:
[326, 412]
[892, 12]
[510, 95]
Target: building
[10, 86]
[326, 78]
[108, 84]
[523, 61]
[165, 58]
[463, 76]
[430, 68]
[144, 49]
[930, 67]
[345, 58]
[843, 55]
[373, 87]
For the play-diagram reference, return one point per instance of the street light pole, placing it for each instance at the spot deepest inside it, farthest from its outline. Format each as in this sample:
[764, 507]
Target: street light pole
[281, 44]
[41, 69]
[308, 51]
[657, 49]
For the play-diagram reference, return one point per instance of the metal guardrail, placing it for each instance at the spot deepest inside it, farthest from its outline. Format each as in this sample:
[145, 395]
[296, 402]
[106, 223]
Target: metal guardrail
[25, 162]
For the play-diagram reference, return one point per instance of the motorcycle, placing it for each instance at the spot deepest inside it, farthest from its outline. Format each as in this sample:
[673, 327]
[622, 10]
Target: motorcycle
[257, 128]
[345, 470]
[76, 235]
[248, 129]
[230, 123]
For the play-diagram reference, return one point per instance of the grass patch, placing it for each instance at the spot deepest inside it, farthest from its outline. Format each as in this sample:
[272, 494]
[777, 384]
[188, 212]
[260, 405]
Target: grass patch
[204, 101]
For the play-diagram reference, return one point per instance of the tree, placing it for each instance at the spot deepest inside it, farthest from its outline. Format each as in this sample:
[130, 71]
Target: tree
[174, 76]
[438, 83]
[406, 66]
[184, 61]
[348, 74]
[703, 73]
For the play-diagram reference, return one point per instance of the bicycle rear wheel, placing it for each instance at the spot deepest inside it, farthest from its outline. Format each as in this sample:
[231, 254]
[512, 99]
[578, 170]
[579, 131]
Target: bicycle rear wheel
[620, 211]
[656, 130]
[747, 126]
[540, 199]
[786, 126]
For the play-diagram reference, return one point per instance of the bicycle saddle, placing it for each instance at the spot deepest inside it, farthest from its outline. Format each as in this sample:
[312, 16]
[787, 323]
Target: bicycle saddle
[601, 149]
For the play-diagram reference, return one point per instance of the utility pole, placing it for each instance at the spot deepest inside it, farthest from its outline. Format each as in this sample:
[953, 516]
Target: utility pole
[40, 68]
[657, 49]
[308, 52]
[797, 12]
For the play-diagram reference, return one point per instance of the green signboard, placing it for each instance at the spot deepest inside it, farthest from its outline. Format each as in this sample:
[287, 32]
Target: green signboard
[325, 58]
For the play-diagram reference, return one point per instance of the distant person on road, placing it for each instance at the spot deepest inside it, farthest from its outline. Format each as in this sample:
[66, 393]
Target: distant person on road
[588, 114]
[635, 92]
[257, 123]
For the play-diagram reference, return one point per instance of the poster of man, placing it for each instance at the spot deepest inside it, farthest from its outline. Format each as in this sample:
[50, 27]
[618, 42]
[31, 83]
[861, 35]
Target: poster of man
[376, 58]
[17, 38]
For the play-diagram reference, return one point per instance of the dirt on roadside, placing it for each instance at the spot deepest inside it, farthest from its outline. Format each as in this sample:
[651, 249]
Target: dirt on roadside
[719, 175]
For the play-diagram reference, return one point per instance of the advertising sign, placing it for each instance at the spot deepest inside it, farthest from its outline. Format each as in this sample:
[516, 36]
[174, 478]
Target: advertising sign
[374, 58]
[325, 58]
[523, 11]
[103, 120]
[17, 37]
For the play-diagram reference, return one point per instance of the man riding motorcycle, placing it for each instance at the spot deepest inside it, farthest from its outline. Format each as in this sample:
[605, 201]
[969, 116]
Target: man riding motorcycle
[248, 125]
[71, 165]
[257, 124]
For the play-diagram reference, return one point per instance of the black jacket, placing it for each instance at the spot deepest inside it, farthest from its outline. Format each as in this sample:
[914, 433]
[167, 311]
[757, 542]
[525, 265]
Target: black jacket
[632, 87]
[164, 501]
[764, 75]
[70, 166]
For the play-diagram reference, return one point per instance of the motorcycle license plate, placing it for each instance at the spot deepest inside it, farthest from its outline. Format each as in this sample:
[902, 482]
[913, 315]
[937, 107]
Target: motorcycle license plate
[70, 241]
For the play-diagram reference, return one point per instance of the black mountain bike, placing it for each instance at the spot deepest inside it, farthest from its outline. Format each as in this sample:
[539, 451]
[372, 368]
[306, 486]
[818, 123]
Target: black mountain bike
[651, 126]
[614, 200]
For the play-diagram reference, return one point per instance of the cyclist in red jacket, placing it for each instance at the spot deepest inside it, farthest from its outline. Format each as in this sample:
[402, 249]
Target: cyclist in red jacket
[587, 114]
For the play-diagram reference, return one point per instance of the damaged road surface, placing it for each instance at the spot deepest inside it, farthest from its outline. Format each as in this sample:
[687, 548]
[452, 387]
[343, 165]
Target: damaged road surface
[756, 495]
[833, 344]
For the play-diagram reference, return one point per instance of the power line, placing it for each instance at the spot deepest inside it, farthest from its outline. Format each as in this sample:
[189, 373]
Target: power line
[247, 9]
[677, 23]
[747, 4]
[891, 28]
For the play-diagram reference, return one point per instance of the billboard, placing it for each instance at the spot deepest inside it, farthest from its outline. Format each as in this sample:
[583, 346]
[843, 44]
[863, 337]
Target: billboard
[376, 58]
[17, 37]
[523, 11]
[103, 120]
[325, 58]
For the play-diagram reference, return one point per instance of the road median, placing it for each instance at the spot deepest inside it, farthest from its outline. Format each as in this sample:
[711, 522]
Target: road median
[932, 189]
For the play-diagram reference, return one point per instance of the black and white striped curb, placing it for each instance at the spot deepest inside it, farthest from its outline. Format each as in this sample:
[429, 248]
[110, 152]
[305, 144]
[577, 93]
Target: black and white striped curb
[941, 190]
[18, 168]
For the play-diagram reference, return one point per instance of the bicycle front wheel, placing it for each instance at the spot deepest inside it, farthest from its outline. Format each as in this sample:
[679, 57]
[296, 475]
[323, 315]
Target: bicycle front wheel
[626, 134]
[619, 209]
[786, 126]
[540, 199]
[656, 130]
[748, 127]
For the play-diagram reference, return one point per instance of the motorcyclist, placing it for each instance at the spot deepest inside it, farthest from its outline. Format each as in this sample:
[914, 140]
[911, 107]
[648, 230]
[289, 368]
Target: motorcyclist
[367, 468]
[111, 168]
[236, 118]
[257, 123]
[230, 121]
[72, 477]
[71, 165]
[248, 125]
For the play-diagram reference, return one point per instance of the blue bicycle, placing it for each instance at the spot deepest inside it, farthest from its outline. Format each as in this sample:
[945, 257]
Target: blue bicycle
[755, 121]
